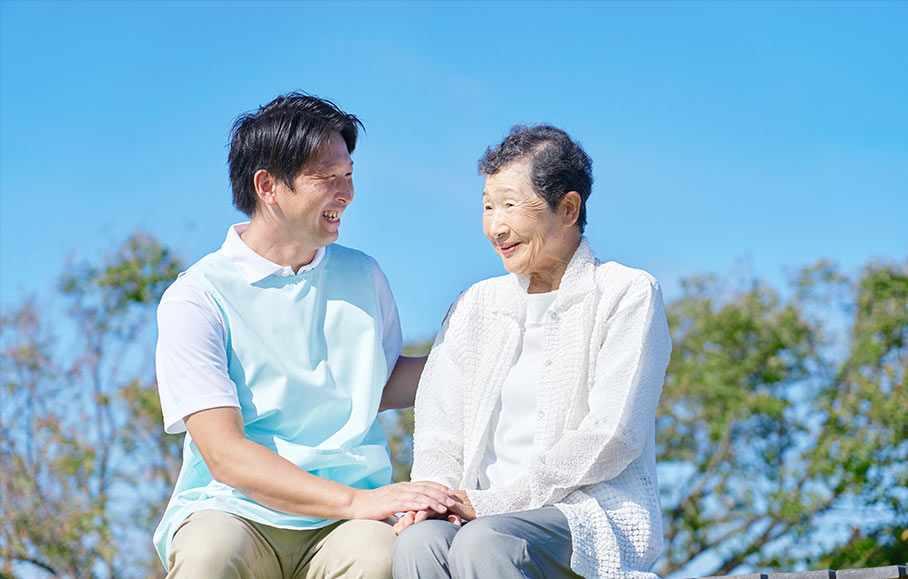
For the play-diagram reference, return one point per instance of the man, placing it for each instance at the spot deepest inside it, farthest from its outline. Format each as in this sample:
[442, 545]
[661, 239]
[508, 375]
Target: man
[273, 354]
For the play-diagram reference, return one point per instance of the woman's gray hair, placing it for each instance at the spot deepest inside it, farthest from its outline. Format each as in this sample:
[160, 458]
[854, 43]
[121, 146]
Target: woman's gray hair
[558, 164]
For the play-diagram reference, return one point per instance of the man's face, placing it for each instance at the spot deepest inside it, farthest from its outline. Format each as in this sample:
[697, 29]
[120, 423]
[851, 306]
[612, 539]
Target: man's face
[321, 192]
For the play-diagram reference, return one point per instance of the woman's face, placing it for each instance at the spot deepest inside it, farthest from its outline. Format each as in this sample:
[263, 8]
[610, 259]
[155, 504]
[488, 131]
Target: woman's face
[529, 237]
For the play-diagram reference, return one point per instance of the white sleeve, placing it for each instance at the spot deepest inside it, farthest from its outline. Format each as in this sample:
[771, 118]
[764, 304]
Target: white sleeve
[438, 412]
[392, 338]
[191, 355]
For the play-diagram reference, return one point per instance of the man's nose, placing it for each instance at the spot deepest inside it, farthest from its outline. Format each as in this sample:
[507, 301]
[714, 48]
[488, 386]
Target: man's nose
[344, 192]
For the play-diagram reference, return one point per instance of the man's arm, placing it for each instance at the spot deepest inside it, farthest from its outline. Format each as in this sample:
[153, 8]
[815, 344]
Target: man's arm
[271, 480]
[400, 391]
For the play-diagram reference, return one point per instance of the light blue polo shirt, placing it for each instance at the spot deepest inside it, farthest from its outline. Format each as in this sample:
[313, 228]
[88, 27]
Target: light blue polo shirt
[305, 354]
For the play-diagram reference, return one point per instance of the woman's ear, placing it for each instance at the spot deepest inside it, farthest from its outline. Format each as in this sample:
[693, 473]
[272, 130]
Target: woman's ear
[265, 187]
[569, 208]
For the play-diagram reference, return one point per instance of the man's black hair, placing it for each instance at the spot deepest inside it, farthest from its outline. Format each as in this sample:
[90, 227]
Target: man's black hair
[558, 164]
[281, 137]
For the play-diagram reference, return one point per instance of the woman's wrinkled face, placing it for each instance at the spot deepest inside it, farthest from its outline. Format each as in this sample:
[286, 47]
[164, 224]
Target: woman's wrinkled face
[526, 233]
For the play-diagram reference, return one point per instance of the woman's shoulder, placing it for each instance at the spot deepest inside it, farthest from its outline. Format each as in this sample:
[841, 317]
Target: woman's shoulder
[616, 278]
[490, 288]
[483, 296]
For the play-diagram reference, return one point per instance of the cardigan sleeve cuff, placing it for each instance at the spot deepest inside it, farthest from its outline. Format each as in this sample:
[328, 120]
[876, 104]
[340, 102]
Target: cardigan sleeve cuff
[495, 502]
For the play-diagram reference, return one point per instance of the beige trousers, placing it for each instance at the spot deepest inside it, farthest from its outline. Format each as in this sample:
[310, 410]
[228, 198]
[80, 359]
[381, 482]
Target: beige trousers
[215, 544]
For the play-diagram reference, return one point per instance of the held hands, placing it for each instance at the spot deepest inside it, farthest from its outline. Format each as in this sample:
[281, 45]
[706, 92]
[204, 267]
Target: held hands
[412, 517]
[381, 503]
[462, 510]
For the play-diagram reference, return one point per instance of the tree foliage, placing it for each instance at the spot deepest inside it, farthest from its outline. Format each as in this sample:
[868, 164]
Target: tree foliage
[85, 465]
[784, 419]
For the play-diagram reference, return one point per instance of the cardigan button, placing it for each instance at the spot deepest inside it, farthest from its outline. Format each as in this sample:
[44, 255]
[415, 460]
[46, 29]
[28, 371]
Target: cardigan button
[548, 362]
[540, 415]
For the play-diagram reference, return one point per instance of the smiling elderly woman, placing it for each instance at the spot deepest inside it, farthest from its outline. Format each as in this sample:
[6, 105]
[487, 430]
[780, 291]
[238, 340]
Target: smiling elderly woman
[540, 393]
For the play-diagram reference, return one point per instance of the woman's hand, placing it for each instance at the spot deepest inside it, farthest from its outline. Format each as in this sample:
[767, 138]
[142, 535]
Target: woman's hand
[463, 507]
[385, 501]
[412, 517]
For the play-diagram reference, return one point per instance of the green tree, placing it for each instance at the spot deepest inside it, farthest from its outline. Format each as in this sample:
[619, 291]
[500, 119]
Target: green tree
[783, 415]
[84, 464]
[885, 545]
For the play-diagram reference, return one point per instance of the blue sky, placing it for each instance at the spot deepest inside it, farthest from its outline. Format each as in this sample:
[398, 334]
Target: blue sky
[769, 134]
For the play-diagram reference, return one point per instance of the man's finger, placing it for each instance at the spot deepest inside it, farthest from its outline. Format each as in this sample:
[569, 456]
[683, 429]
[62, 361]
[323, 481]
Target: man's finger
[436, 489]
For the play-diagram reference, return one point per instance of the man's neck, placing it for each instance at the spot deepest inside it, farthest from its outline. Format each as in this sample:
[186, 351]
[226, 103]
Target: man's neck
[277, 245]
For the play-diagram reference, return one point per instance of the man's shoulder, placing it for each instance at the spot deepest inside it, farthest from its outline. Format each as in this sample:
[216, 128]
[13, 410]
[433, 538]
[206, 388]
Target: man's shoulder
[187, 288]
[338, 251]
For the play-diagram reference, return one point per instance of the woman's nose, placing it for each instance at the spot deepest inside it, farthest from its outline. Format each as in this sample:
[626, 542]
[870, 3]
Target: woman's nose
[497, 226]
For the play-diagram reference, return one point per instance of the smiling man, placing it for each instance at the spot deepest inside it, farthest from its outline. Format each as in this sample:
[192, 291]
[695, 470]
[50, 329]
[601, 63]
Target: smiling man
[275, 354]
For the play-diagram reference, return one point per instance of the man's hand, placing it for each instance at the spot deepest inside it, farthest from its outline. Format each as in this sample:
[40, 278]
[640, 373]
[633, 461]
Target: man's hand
[463, 507]
[385, 501]
[412, 517]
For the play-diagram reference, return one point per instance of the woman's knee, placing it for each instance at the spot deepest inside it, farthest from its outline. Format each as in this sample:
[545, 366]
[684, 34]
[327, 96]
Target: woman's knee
[421, 550]
[430, 535]
[485, 548]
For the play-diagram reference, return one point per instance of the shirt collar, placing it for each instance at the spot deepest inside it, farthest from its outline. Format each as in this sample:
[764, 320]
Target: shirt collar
[253, 266]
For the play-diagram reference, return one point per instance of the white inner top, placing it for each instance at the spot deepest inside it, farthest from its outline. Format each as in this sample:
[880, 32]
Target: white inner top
[510, 445]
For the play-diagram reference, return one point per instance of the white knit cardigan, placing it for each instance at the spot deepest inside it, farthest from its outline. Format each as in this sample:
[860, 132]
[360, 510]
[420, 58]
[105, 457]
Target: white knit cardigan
[606, 347]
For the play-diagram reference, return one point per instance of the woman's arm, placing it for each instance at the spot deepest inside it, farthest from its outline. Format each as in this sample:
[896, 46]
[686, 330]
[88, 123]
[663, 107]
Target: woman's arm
[438, 430]
[630, 369]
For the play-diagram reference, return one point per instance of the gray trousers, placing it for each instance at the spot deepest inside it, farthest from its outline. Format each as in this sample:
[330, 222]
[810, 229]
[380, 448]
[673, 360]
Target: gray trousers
[533, 543]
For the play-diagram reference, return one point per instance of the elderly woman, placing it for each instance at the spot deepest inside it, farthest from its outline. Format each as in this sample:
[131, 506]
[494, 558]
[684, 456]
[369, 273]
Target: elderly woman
[539, 396]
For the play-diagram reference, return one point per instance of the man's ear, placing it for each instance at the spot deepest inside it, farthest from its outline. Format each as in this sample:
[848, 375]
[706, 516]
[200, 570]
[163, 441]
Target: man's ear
[569, 208]
[265, 187]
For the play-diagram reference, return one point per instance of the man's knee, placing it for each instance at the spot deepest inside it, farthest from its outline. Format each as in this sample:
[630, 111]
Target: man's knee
[361, 549]
[216, 544]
